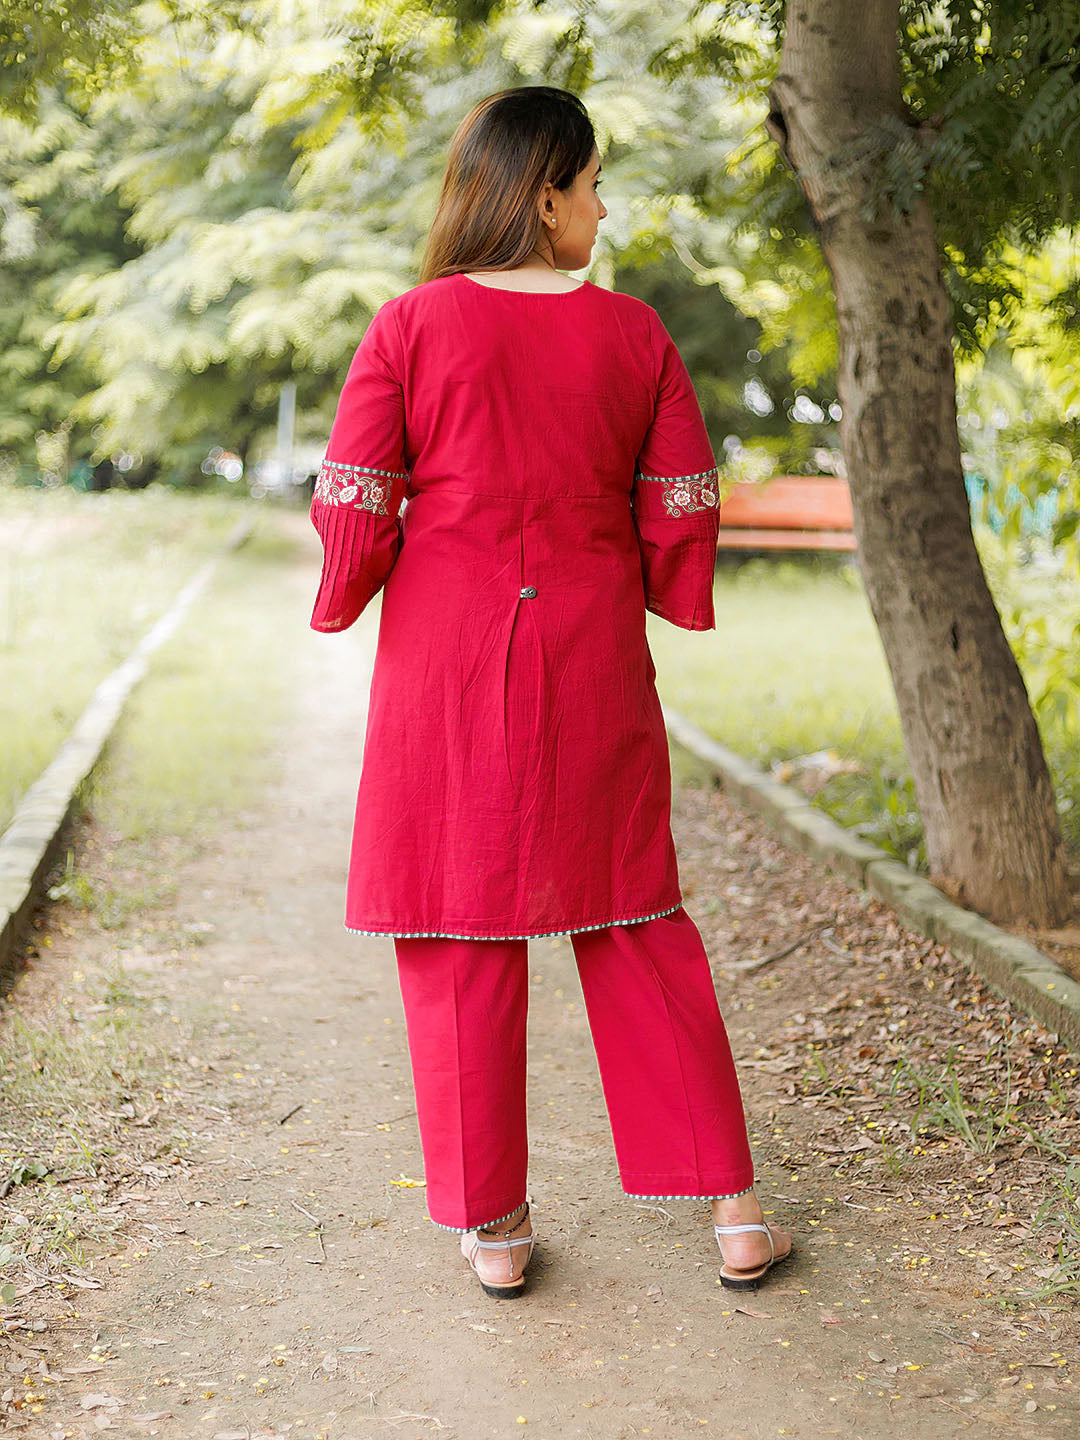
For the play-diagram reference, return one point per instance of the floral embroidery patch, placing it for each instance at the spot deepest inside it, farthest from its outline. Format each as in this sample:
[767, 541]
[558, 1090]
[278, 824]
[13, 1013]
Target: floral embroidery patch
[685, 494]
[361, 486]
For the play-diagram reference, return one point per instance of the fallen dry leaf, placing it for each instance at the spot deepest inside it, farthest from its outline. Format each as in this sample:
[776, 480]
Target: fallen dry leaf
[92, 1402]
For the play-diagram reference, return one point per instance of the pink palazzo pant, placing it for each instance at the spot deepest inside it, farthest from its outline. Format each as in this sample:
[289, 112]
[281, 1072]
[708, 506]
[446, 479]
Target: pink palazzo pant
[665, 1063]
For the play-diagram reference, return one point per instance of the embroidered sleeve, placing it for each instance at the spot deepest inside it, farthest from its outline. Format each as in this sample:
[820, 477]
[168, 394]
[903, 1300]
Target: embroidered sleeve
[675, 497]
[361, 484]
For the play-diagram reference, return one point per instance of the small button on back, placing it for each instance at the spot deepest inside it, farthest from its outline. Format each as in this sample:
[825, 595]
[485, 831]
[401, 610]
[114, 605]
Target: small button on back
[528, 591]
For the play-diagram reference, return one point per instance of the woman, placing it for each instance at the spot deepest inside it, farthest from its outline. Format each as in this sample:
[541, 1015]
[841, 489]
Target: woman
[558, 482]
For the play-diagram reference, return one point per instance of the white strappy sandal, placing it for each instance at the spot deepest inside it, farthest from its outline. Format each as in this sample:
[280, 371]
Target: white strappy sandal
[748, 1279]
[471, 1244]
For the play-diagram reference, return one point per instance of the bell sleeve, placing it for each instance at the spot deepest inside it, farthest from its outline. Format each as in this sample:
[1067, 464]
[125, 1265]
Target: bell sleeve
[675, 497]
[361, 483]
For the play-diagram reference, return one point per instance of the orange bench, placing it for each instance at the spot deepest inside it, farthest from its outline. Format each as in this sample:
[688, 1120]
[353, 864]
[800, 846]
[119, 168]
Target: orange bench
[788, 512]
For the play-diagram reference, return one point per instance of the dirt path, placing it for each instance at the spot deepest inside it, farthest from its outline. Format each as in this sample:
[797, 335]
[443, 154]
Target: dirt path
[280, 1277]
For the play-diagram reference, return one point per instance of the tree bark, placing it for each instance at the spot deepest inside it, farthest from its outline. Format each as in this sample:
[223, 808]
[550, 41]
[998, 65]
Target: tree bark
[993, 837]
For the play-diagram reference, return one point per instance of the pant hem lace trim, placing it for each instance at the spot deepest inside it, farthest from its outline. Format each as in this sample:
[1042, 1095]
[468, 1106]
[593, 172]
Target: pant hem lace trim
[481, 1224]
[634, 1195]
[532, 935]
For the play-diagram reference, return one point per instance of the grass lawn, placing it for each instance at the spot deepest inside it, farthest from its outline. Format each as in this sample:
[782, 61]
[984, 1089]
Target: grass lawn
[795, 665]
[196, 740]
[82, 577]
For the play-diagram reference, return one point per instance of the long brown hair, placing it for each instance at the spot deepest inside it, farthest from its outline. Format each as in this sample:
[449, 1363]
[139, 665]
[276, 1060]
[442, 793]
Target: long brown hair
[500, 156]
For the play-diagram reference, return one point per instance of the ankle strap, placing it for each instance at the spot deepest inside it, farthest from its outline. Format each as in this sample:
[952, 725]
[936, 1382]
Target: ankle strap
[519, 1221]
[742, 1229]
[499, 1244]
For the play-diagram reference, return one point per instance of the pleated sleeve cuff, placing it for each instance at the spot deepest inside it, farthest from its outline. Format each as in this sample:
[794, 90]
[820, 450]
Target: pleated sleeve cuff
[678, 555]
[359, 550]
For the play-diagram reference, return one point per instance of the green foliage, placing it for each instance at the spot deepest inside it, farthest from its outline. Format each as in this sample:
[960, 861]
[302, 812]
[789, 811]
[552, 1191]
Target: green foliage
[991, 90]
[878, 803]
[275, 177]
[1039, 604]
[264, 176]
[938, 1092]
[24, 1172]
[989, 138]
[1019, 407]
[55, 223]
[86, 45]
[995, 84]
[795, 666]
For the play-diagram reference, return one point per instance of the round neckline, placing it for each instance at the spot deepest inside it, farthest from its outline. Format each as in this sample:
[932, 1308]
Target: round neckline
[505, 290]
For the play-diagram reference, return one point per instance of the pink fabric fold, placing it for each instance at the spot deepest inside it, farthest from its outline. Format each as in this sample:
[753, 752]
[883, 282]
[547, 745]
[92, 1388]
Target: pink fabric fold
[359, 550]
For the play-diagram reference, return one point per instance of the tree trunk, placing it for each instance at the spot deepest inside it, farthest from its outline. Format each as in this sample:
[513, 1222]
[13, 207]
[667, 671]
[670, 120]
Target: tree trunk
[993, 837]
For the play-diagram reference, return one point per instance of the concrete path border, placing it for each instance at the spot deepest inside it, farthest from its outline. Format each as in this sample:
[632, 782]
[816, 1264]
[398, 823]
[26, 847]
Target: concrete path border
[30, 844]
[1014, 967]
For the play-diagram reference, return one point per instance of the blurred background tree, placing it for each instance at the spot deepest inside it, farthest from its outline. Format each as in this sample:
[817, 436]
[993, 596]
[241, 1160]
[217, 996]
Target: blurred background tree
[253, 178]
[273, 174]
[57, 222]
[80, 46]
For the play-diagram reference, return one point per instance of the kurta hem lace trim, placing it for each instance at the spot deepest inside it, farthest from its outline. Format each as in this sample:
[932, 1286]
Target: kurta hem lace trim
[687, 494]
[530, 935]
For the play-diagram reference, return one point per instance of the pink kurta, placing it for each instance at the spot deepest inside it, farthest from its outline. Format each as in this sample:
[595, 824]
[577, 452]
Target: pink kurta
[558, 481]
